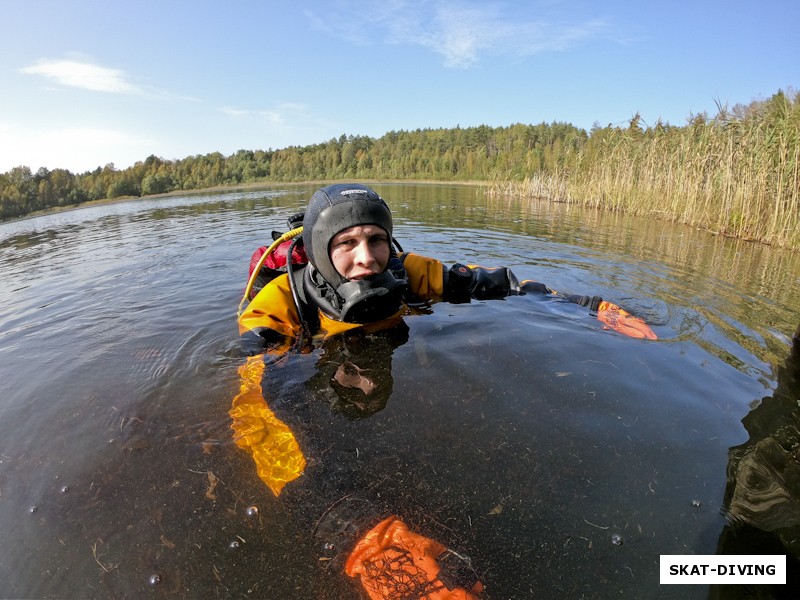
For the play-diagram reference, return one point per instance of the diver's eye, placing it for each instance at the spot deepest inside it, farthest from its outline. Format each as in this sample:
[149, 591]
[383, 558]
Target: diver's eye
[378, 240]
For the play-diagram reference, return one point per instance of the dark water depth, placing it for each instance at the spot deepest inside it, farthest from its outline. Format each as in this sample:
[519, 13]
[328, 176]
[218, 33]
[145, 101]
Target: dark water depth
[564, 459]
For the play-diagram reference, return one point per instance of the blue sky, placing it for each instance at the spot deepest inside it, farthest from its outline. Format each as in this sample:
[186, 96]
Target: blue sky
[86, 83]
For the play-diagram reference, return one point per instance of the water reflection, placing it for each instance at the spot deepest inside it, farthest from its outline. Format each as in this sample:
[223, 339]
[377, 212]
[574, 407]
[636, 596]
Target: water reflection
[762, 496]
[708, 287]
[354, 372]
[755, 269]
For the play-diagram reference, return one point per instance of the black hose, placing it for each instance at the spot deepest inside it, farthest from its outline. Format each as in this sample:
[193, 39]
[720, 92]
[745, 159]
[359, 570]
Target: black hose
[304, 329]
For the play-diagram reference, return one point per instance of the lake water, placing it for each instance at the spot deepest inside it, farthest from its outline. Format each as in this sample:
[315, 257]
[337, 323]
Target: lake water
[564, 459]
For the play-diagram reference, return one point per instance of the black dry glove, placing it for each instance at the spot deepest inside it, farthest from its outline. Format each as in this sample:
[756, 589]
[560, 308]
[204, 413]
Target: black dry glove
[462, 283]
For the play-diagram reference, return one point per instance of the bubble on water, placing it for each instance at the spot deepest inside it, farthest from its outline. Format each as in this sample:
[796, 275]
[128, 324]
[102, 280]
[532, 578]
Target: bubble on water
[64, 489]
[33, 509]
[252, 511]
[697, 503]
[616, 539]
[154, 580]
[328, 546]
[234, 545]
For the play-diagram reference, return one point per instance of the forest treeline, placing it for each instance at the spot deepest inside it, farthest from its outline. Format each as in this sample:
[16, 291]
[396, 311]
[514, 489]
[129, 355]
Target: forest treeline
[475, 153]
[735, 168]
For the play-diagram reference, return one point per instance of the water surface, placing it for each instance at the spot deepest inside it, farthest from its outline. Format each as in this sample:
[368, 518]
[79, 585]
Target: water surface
[518, 432]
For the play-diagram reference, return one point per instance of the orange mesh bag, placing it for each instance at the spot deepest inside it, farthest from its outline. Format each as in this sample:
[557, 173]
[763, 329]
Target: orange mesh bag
[393, 562]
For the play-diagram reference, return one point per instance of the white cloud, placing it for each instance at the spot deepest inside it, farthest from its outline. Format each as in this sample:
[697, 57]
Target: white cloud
[85, 75]
[279, 126]
[73, 73]
[460, 32]
[282, 115]
[236, 112]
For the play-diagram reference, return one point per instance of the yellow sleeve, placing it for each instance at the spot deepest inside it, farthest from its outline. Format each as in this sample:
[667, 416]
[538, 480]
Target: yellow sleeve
[425, 276]
[261, 433]
[273, 308]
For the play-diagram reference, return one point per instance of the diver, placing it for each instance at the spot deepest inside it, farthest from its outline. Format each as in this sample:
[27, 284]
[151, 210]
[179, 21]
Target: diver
[347, 277]
[357, 276]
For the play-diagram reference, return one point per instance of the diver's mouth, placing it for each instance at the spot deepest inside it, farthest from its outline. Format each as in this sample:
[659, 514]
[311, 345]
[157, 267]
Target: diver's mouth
[363, 276]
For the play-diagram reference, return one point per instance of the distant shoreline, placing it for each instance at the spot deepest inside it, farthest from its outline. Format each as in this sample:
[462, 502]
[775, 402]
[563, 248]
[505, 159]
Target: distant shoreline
[734, 174]
[253, 186]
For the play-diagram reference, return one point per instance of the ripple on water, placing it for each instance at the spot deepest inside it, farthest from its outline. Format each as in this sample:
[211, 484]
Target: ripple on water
[119, 369]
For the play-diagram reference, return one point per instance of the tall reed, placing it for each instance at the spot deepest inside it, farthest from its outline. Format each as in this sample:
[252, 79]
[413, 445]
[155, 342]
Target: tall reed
[737, 174]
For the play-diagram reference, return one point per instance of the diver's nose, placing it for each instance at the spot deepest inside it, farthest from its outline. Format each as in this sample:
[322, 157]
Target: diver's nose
[364, 254]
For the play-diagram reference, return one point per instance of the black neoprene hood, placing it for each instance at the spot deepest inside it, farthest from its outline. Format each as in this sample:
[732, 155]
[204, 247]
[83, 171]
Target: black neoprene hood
[333, 209]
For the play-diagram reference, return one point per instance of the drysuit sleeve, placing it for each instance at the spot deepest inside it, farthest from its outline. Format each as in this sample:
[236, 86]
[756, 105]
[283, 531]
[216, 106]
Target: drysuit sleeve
[429, 279]
[425, 276]
[609, 314]
[463, 282]
[271, 319]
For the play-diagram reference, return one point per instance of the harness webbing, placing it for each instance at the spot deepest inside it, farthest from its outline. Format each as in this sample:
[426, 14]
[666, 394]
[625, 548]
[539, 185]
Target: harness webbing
[308, 312]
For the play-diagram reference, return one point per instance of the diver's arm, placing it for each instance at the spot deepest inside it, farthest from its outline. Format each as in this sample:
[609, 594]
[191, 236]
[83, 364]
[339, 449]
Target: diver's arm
[464, 282]
[611, 315]
[429, 279]
[261, 340]
[270, 320]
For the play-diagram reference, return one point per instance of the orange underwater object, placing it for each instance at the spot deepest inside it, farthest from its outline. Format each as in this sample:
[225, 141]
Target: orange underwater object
[622, 321]
[269, 440]
[394, 562]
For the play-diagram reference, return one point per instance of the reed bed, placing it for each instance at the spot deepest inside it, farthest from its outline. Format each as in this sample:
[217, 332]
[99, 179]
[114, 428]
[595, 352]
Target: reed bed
[737, 174]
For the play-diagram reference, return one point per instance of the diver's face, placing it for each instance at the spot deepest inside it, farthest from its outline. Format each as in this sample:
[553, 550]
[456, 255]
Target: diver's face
[360, 251]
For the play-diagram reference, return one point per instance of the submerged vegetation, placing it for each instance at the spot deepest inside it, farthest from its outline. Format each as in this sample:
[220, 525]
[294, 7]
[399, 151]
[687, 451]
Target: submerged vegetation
[735, 173]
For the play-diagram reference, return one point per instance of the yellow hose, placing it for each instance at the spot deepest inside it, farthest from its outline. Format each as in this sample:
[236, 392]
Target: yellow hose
[250, 282]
